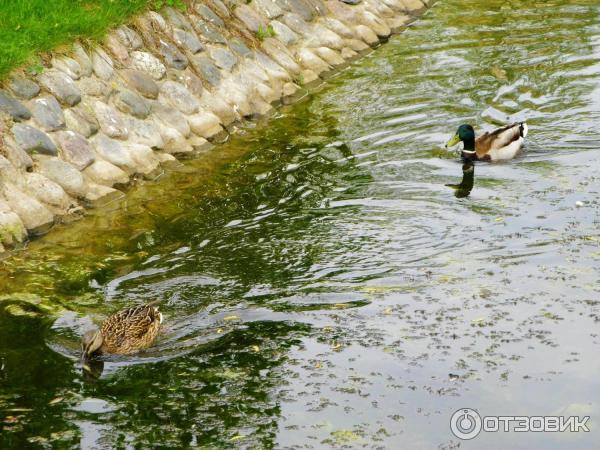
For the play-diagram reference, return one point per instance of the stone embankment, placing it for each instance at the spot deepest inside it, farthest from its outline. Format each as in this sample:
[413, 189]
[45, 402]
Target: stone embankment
[165, 85]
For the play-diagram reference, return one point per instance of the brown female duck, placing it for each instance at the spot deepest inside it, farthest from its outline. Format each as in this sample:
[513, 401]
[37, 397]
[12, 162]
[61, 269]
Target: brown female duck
[125, 332]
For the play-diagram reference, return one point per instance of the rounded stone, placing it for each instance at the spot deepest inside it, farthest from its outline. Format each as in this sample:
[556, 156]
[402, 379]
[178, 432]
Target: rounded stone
[131, 103]
[208, 33]
[48, 113]
[112, 151]
[284, 33]
[46, 190]
[32, 140]
[145, 159]
[250, 18]
[75, 149]
[63, 174]
[268, 8]
[172, 56]
[106, 174]
[207, 70]
[141, 82]
[330, 56]
[145, 132]
[148, 63]
[23, 88]
[61, 86]
[17, 157]
[189, 79]
[205, 124]
[129, 38]
[82, 58]
[179, 96]
[110, 120]
[207, 14]
[35, 216]
[68, 66]
[171, 117]
[102, 64]
[82, 120]
[367, 35]
[188, 40]
[95, 87]
[13, 107]
[223, 58]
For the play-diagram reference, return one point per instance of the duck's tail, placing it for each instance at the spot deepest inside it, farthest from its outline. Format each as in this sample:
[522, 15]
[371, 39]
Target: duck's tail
[524, 129]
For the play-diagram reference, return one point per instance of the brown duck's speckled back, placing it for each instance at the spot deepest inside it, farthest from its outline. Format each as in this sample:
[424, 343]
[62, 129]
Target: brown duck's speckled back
[131, 330]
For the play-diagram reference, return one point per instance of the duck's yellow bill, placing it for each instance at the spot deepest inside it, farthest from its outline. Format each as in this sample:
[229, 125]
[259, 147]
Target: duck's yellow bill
[454, 141]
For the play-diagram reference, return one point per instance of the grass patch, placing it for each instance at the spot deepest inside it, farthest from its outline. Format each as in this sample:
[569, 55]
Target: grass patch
[264, 33]
[30, 27]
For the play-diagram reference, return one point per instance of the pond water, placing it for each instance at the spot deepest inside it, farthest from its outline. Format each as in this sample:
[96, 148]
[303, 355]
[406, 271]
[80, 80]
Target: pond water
[322, 285]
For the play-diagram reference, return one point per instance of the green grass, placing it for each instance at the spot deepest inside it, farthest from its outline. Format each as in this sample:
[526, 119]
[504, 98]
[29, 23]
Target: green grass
[31, 27]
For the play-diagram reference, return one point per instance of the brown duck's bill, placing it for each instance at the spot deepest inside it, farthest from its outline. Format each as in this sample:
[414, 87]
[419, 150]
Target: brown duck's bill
[454, 141]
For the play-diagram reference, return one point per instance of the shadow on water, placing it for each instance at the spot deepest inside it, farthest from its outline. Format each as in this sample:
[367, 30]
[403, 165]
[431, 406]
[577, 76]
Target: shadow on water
[316, 280]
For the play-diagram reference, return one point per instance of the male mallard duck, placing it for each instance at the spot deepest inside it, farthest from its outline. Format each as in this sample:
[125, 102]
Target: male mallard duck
[501, 144]
[125, 332]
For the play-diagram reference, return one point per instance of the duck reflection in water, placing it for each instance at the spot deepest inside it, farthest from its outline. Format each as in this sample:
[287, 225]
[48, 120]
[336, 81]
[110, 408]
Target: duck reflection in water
[465, 187]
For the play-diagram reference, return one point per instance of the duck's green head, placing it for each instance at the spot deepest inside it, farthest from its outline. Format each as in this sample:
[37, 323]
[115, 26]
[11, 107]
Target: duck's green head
[466, 134]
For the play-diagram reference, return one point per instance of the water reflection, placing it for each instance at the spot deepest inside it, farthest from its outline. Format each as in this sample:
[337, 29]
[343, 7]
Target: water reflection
[464, 188]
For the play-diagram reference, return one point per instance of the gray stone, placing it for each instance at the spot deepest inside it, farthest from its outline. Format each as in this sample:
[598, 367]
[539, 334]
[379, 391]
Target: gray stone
[300, 7]
[141, 82]
[173, 57]
[188, 41]
[95, 87]
[281, 55]
[330, 56]
[145, 132]
[297, 24]
[36, 217]
[174, 141]
[208, 33]
[97, 194]
[148, 63]
[223, 58]
[207, 14]
[176, 19]
[102, 64]
[240, 48]
[311, 61]
[82, 58]
[63, 174]
[268, 8]
[7, 170]
[68, 66]
[106, 174]
[32, 140]
[82, 120]
[13, 107]
[250, 18]
[274, 70]
[324, 37]
[61, 86]
[157, 22]
[46, 191]
[338, 27]
[172, 118]
[284, 33]
[179, 96]
[129, 38]
[18, 158]
[48, 113]
[23, 88]
[75, 149]
[189, 79]
[207, 70]
[131, 103]
[351, 2]
[376, 24]
[220, 7]
[111, 150]
[110, 120]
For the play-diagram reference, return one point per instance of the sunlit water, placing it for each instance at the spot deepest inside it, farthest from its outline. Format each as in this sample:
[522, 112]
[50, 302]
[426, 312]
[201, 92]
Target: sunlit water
[321, 283]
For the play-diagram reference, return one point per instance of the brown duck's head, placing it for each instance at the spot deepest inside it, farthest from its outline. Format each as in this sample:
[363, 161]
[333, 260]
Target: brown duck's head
[91, 343]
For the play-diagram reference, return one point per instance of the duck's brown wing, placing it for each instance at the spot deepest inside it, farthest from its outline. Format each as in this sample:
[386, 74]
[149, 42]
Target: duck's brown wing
[499, 138]
[131, 323]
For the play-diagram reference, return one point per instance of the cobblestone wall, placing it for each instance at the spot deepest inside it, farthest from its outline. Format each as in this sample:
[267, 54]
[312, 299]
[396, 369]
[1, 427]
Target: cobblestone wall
[167, 84]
